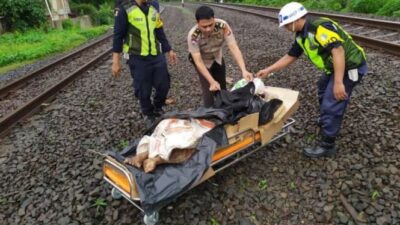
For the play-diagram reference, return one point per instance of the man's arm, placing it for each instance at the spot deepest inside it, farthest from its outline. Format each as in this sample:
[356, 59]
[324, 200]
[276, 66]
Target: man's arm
[235, 51]
[283, 62]
[328, 37]
[161, 37]
[120, 29]
[294, 53]
[237, 54]
[199, 63]
[338, 67]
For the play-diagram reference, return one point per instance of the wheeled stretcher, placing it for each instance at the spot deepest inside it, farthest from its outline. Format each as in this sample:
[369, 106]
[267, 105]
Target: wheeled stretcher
[245, 138]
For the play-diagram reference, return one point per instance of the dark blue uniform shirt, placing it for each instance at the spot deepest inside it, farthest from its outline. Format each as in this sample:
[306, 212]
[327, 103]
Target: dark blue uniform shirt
[121, 27]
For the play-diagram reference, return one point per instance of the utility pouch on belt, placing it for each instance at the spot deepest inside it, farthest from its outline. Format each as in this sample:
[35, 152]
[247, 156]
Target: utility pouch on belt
[126, 55]
[353, 74]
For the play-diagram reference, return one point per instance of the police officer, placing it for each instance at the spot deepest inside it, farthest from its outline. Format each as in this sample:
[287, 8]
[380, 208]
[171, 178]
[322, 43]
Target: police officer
[331, 50]
[205, 42]
[138, 32]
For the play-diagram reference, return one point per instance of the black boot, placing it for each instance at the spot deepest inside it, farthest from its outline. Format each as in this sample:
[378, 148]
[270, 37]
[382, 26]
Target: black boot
[325, 147]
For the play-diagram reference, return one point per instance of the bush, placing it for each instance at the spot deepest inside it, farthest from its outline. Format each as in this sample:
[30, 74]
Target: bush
[86, 9]
[314, 4]
[22, 14]
[67, 24]
[96, 3]
[389, 8]
[366, 6]
[397, 13]
[106, 15]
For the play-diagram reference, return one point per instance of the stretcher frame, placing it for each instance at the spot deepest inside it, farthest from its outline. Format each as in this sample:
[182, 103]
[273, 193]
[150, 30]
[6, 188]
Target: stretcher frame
[248, 140]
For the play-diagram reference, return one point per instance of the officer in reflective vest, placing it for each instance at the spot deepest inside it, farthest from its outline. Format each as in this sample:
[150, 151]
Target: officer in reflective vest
[333, 51]
[138, 32]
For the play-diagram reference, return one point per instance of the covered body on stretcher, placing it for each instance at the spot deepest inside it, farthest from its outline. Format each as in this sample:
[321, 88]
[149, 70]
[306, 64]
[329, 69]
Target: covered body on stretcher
[245, 133]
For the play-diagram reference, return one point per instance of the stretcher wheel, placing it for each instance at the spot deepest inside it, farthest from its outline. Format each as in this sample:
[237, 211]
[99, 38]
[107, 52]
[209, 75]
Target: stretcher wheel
[151, 219]
[115, 194]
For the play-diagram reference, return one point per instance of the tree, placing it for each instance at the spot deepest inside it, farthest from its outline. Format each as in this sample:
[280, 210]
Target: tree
[22, 14]
[96, 3]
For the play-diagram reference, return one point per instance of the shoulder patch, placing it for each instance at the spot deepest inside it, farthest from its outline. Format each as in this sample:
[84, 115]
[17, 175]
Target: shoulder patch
[219, 26]
[195, 35]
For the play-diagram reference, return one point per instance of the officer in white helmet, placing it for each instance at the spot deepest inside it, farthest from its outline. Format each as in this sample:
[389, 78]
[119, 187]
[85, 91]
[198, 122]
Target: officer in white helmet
[333, 51]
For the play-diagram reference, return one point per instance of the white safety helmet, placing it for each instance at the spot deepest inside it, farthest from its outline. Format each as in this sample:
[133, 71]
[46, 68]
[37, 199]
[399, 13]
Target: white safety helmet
[290, 13]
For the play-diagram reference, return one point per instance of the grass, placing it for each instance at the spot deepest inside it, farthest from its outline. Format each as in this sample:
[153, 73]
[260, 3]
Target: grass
[375, 195]
[263, 184]
[292, 185]
[214, 222]
[123, 144]
[99, 203]
[18, 49]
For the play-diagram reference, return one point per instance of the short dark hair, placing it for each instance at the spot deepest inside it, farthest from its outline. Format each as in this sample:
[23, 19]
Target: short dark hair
[204, 13]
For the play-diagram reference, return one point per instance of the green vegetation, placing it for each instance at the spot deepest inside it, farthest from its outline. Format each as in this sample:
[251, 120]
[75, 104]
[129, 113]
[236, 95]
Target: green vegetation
[263, 184]
[20, 47]
[375, 195]
[292, 185]
[391, 8]
[23, 14]
[214, 222]
[123, 144]
[101, 12]
[99, 203]
[383, 8]
[31, 36]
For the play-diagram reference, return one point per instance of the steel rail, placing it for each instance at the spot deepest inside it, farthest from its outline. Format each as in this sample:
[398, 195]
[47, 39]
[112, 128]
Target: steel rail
[12, 118]
[23, 111]
[387, 24]
[390, 47]
[4, 91]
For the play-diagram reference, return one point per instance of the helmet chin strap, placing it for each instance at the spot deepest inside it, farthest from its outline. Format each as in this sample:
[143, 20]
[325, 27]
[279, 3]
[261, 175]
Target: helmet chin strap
[293, 27]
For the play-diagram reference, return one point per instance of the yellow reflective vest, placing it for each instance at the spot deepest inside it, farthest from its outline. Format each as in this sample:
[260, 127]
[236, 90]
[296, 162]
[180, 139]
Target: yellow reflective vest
[318, 37]
[140, 39]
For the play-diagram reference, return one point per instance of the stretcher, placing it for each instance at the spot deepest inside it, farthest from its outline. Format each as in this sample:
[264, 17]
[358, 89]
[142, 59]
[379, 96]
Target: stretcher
[245, 138]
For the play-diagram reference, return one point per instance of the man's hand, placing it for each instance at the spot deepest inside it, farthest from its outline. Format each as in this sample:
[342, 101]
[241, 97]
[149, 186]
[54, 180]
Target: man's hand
[214, 86]
[247, 75]
[264, 73]
[339, 91]
[116, 69]
[172, 57]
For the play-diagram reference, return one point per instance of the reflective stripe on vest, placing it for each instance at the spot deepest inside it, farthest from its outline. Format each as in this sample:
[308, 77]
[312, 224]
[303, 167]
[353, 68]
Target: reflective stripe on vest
[140, 39]
[310, 49]
[319, 37]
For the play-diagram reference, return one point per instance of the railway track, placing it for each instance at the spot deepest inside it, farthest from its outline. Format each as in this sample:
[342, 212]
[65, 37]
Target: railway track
[24, 96]
[373, 33]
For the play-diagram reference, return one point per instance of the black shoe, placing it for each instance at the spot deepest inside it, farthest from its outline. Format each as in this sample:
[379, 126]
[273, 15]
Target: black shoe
[158, 112]
[326, 147]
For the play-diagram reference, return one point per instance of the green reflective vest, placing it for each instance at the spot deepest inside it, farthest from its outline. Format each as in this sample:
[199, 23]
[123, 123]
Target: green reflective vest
[319, 37]
[140, 39]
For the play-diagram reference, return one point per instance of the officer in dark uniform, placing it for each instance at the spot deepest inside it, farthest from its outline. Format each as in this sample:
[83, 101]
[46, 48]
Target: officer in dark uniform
[333, 51]
[138, 32]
